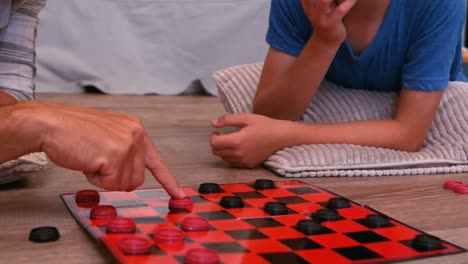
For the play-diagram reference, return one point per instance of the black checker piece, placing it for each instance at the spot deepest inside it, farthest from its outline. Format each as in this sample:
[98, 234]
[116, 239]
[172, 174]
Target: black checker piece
[375, 221]
[231, 202]
[275, 208]
[326, 215]
[264, 184]
[206, 188]
[424, 243]
[310, 227]
[338, 203]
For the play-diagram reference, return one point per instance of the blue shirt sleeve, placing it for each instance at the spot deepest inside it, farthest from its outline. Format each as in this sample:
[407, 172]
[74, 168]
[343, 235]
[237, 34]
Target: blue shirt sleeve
[434, 55]
[289, 28]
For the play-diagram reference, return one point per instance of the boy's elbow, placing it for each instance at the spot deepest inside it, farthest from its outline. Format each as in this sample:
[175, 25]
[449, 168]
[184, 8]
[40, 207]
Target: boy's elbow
[410, 143]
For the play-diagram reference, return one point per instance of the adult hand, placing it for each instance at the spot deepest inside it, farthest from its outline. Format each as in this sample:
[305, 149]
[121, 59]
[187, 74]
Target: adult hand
[258, 138]
[327, 18]
[111, 149]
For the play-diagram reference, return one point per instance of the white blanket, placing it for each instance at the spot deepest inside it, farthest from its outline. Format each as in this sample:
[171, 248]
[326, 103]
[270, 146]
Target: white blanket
[146, 47]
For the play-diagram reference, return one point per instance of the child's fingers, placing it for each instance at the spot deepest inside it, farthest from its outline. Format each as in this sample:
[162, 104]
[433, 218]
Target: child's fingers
[239, 120]
[224, 141]
[321, 7]
[342, 9]
[224, 153]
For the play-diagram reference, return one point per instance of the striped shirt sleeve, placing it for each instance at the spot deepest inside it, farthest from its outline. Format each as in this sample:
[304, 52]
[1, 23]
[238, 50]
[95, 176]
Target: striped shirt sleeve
[17, 49]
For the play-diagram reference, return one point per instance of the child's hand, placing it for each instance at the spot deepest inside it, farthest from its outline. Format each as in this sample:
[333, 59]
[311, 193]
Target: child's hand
[327, 18]
[258, 138]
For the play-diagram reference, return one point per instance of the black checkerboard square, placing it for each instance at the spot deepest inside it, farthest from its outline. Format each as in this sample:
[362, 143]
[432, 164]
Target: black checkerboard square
[249, 195]
[291, 200]
[263, 222]
[149, 220]
[300, 243]
[216, 215]
[357, 253]
[283, 258]
[246, 234]
[103, 230]
[366, 237]
[226, 247]
[199, 199]
[322, 231]
[148, 194]
[302, 190]
[129, 204]
[364, 223]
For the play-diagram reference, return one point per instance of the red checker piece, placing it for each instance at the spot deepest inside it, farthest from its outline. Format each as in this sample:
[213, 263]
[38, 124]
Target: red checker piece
[169, 236]
[201, 256]
[103, 212]
[121, 225]
[87, 196]
[451, 185]
[462, 189]
[195, 223]
[181, 203]
[134, 246]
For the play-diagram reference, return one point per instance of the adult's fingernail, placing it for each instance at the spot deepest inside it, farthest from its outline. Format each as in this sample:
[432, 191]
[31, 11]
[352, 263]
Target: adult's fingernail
[182, 193]
[215, 122]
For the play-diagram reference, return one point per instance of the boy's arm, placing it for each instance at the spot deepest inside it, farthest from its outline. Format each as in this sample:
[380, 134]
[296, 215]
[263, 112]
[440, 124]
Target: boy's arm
[261, 136]
[288, 84]
[406, 131]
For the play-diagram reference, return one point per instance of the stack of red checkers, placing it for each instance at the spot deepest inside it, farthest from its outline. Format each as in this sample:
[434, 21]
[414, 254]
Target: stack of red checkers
[121, 225]
[185, 203]
[134, 246]
[195, 223]
[456, 186]
[87, 196]
[103, 212]
[169, 236]
[201, 256]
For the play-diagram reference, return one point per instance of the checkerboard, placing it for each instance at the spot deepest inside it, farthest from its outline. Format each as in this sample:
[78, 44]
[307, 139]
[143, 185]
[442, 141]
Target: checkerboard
[250, 235]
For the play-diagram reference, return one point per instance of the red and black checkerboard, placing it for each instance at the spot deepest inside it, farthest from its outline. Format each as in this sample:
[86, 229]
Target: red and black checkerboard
[250, 235]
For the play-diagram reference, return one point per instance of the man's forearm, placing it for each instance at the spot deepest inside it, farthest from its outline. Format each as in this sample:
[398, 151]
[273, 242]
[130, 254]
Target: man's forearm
[287, 95]
[18, 133]
[390, 134]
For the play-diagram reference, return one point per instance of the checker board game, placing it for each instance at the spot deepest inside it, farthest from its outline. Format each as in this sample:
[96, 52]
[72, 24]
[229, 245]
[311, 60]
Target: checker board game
[318, 226]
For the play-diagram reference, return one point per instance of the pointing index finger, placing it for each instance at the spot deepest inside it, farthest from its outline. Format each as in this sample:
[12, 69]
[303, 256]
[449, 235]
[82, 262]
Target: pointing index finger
[160, 171]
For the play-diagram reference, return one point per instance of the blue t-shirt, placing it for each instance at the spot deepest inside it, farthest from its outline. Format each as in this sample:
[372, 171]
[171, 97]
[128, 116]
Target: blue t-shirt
[418, 45]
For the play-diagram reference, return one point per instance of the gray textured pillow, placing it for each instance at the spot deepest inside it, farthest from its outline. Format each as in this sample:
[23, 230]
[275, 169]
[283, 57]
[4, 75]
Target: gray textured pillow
[444, 151]
[16, 169]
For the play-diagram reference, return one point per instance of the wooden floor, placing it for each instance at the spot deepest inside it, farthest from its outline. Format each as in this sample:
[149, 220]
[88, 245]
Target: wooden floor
[180, 128]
